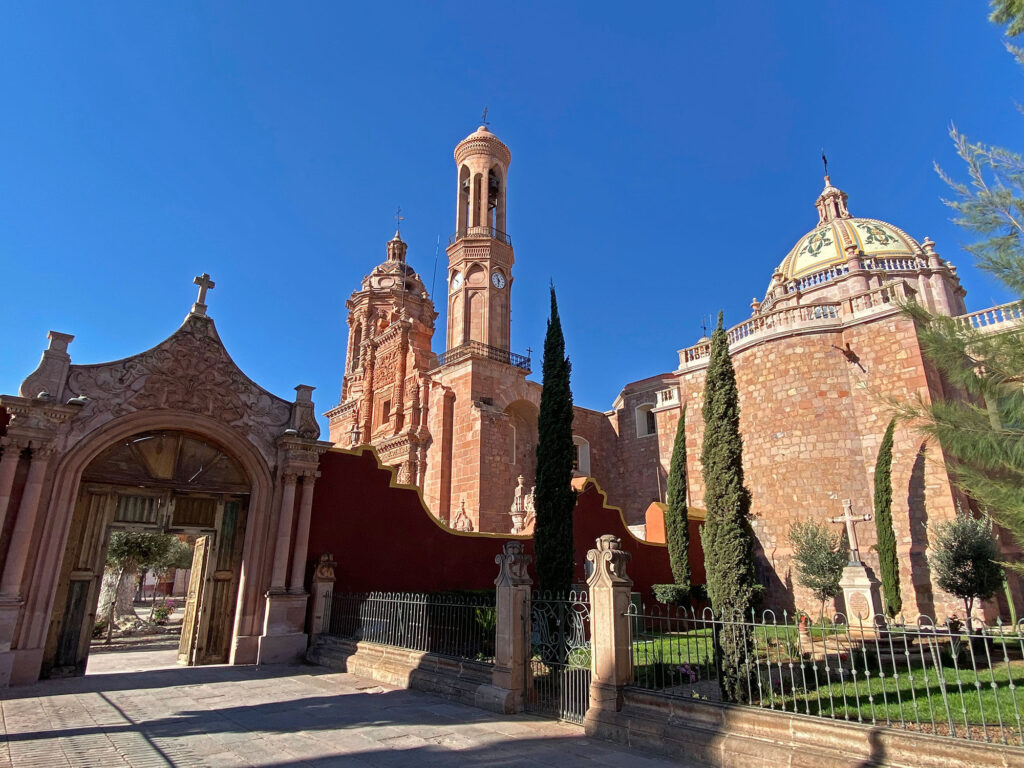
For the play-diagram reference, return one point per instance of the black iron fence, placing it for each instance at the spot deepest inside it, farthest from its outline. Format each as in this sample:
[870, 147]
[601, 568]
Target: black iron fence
[479, 349]
[488, 232]
[457, 625]
[940, 679]
[559, 667]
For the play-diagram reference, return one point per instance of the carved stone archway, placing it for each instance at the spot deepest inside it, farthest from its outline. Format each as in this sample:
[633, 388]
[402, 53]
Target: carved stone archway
[66, 415]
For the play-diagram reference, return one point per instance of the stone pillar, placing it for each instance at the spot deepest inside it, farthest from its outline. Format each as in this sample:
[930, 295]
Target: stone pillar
[21, 538]
[859, 277]
[284, 533]
[512, 630]
[403, 355]
[295, 581]
[12, 585]
[8, 466]
[323, 591]
[611, 662]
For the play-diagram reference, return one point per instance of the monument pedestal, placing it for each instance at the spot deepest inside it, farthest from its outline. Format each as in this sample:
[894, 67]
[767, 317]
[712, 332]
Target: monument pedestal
[861, 595]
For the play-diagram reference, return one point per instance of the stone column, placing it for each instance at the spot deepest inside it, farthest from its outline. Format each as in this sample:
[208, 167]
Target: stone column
[8, 466]
[403, 354]
[21, 538]
[366, 405]
[323, 591]
[511, 646]
[284, 533]
[611, 663]
[858, 274]
[295, 581]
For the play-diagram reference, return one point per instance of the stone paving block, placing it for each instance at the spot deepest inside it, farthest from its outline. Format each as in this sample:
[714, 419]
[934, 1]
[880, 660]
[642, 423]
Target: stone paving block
[243, 717]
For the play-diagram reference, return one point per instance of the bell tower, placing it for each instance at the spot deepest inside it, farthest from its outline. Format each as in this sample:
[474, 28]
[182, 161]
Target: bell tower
[480, 252]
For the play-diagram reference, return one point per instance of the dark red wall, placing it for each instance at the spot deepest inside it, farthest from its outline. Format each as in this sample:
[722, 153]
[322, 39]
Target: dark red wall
[383, 538]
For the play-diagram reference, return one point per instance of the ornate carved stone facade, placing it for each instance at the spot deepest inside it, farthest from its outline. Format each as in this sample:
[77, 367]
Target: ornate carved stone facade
[55, 524]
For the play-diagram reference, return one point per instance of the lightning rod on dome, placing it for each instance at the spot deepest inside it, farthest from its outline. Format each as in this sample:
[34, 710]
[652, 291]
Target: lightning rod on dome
[824, 160]
[483, 118]
[399, 218]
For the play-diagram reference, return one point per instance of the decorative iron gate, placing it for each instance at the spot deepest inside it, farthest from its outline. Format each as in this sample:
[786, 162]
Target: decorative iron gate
[558, 672]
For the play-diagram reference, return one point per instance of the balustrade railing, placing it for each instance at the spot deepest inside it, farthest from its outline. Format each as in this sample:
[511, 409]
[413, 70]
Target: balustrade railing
[939, 679]
[479, 349]
[804, 316]
[895, 265]
[669, 396]
[995, 318]
[489, 232]
[460, 626]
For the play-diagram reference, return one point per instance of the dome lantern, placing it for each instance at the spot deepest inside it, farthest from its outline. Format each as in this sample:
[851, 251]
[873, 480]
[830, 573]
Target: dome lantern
[831, 204]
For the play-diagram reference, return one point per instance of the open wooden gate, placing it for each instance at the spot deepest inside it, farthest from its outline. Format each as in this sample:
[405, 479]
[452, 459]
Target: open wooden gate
[188, 649]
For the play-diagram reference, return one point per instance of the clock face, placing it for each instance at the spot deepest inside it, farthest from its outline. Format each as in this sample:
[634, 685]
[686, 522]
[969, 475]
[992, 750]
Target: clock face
[457, 281]
[498, 279]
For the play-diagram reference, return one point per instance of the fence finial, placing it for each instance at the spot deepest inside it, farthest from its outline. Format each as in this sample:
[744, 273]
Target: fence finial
[512, 564]
[609, 560]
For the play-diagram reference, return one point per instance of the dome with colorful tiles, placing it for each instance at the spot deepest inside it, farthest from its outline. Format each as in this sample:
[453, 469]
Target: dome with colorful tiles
[839, 235]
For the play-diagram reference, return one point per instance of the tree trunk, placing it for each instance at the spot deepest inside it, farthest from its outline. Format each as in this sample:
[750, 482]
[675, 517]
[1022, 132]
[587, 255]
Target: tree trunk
[119, 588]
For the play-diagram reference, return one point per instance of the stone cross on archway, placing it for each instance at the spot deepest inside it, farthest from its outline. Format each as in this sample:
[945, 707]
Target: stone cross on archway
[205, 284]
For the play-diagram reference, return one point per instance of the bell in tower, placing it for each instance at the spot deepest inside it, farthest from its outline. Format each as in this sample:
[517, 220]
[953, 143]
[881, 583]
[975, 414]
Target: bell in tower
[480, 254]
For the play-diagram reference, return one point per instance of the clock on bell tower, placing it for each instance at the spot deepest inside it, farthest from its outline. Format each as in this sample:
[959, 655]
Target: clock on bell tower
[480, 254]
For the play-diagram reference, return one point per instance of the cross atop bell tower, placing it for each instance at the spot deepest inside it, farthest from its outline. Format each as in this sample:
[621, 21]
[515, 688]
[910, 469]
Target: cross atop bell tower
[480, 254]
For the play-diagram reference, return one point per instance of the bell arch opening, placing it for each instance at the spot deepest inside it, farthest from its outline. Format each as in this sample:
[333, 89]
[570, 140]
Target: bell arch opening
[167, 483]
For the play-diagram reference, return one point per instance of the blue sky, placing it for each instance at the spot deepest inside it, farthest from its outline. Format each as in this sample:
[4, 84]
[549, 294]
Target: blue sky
[664, 160]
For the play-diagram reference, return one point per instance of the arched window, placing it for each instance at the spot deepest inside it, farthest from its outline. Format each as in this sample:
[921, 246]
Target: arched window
[463, 212]
[581, 456]
[357, 341]
[645, 422]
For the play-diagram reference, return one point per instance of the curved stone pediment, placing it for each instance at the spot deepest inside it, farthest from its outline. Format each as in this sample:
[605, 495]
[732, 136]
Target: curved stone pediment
[190, 371]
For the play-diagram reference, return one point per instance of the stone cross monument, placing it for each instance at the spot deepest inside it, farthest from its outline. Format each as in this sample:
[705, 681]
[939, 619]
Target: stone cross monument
[851, 521]
[860, 587]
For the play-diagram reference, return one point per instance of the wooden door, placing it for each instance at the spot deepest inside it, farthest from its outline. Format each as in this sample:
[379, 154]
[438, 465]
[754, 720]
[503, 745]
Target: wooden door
[218, 619]
[192, 623]
[74, 608]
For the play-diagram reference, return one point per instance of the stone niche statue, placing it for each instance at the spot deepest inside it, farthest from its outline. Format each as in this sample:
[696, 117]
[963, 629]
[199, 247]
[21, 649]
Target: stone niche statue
[462, 522]
[523, 509]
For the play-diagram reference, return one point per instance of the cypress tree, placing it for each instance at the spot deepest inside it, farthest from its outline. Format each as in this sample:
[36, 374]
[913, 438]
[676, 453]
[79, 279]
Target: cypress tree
[677, 525]
[555, 498]
[887, 560]
[727, 536]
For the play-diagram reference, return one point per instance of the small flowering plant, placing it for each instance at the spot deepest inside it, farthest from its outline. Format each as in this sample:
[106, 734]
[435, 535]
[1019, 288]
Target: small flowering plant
[687, 672]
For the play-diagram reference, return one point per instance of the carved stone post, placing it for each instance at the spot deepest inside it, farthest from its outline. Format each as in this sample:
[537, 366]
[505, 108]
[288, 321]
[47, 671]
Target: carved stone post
[511, 648]
[611, 665]
[323, 591]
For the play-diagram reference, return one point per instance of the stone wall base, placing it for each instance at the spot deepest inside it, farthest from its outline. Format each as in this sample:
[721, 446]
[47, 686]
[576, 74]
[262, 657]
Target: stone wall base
[743, 737]
[281, 649]
[457, 679]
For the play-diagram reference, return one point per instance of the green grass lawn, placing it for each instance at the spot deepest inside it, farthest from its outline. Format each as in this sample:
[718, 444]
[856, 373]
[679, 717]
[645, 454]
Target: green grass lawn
[919, 686]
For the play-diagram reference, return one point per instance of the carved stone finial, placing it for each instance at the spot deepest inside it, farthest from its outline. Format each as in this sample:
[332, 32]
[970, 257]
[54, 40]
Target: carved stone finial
[512, 564]
[324, 571]
[609, 560]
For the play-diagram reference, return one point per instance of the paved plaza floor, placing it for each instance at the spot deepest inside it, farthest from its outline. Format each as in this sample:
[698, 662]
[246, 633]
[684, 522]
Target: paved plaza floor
[138, 708]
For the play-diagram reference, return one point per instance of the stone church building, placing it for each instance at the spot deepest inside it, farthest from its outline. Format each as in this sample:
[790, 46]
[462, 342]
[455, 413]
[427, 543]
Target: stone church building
[816, 361]
[177, 438]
